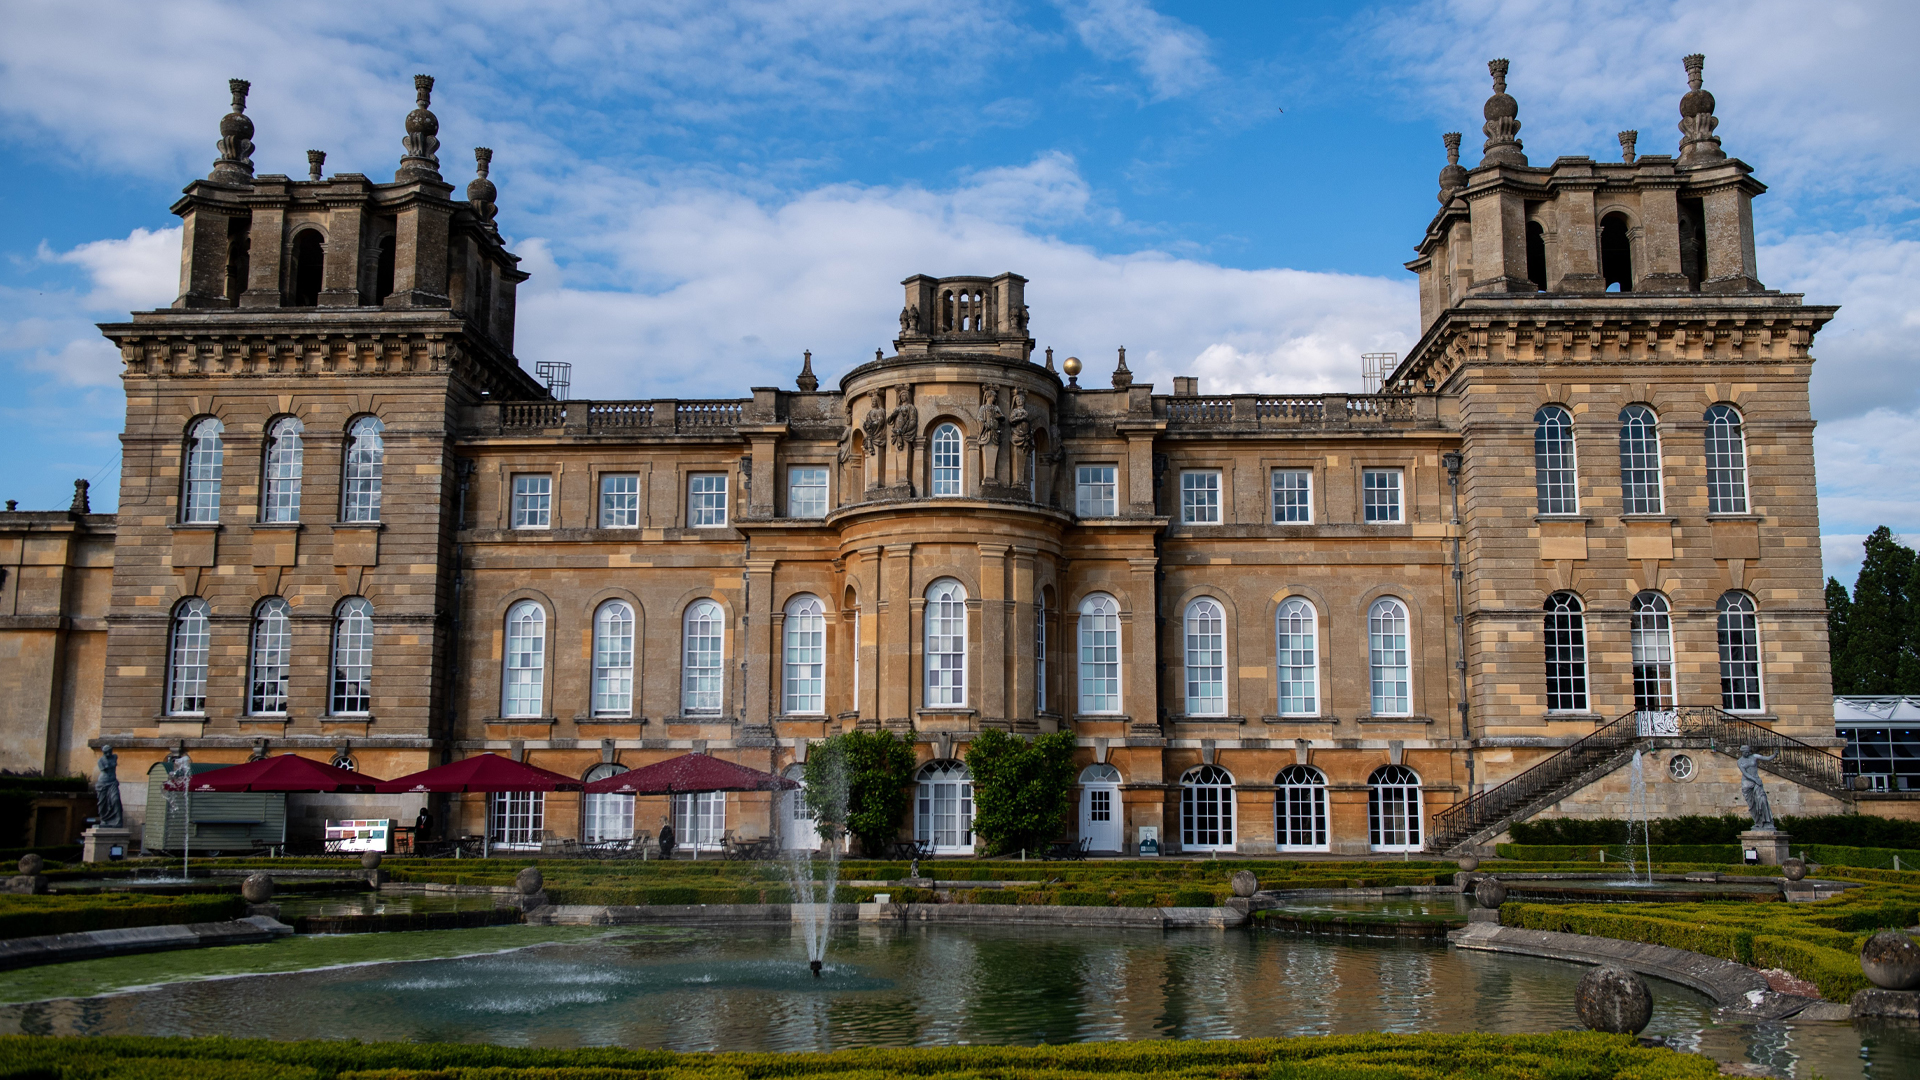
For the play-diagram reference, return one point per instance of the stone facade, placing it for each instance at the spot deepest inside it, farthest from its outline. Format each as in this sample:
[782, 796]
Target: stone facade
[1101, 539]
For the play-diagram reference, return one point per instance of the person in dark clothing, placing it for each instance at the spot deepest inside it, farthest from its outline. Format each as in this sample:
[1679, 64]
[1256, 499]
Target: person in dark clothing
[666, 840]
[423, 824]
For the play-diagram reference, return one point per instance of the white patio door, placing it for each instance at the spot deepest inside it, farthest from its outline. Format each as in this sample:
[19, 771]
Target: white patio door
[1100, 811]
[797, 829]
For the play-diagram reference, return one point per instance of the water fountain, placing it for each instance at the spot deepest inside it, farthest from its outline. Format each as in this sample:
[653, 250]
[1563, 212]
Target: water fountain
[1637, 813]
[814, 913]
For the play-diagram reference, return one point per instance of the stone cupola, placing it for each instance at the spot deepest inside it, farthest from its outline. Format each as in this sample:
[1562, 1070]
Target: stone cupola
[965, 314]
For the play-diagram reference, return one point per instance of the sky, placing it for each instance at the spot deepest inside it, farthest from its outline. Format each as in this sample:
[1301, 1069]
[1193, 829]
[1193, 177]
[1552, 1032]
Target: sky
[703, 191]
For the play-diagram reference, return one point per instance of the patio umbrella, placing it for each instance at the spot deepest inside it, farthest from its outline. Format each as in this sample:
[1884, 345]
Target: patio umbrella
[288, 772]
[482, 772]
[689, 773]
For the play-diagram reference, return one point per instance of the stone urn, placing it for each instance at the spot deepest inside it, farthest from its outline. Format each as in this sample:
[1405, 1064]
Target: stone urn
[1613, 1000]
[31, 863]
[1469, 864]
[1794, 869]
[257, 888]
[1489, 892]
[1245, 883]
[1891, 961]
[370, 860]
[532, 888]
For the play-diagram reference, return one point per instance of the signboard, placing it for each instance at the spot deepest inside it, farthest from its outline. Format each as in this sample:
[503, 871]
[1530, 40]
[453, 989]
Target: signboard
[360, 834]
[1149, 840]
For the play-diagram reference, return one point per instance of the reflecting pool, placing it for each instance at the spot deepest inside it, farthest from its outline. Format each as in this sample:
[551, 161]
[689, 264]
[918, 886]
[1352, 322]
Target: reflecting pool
[749, 989]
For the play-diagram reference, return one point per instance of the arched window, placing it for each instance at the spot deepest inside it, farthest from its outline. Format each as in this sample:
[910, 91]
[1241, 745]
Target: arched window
[200, 501]
[187, 658]
[943, 808]
[946, 460]
[1726, 461]
[1300, 809]
[353, 657]
[1040, 655]
[523, 691]
[613, 659]
[1650, 635]
[1739, 654]
[365, 465]
[272, 658]
[703, 648]
[945, 647]
[1296, 652]
[1393, 809]
[1099, 654]
[280, 497]
[1206, 625]
[608, 816]
[1640, 487]
[1100, 809]
[1553, 463]
[1616, 252]
[1537, 255]
[1388, 658]
[806, 656]
[1206, 809]
[307, 272]
[1565, 634]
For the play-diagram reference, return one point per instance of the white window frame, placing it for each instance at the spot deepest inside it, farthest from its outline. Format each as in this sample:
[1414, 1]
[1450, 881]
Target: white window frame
[807, 491]
[1390, 657]
[1740, 656]
[1102, 661]
[200, 477]
[1207, 809]
[532, 501]
[1292, 502]
[270, 665]
[707, 500]
[803, 684]
[1040, 657]
[516, 818]
[280, 469]
[1564, 638]
[350, 679]
[1726, 447]
[189, 645]
[1096, 490]
[1650, 645]
[700, 820]
[1395, 814]
[1642, 490]
[944, 630]
[607, 816]
[619, 500]
[943, 807]
[1300, 809]
[1383, 497]
[1206, 655]
[614, 624]
[1201, 497]
[364, 466]
[1556, 468]
[703, 651]
[946, 462]
[523, 667]
[1296, 650]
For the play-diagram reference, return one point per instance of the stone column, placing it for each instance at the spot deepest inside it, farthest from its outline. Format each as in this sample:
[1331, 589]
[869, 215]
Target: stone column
[1141, 647]
[1579, 246]
[420, 256]
[1660, 252]
[759, 706]
[1020, 640]
[340, 275]
[893, 660]
[991, 697]
[1731, 264]
[1140, 471]
[1499, 242]
[203, 260]
[265, 244]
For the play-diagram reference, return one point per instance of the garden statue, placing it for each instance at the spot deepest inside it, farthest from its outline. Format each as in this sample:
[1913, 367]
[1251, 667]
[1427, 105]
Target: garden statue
[1752, 790]
[106, 790]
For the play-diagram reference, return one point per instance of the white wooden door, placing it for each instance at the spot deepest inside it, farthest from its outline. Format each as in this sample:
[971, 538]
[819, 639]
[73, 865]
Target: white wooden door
[1100, 816]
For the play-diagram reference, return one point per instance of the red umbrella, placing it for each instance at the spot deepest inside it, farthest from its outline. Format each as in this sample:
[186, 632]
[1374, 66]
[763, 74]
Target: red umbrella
[688, 773]
[482, 772]
[288, 772]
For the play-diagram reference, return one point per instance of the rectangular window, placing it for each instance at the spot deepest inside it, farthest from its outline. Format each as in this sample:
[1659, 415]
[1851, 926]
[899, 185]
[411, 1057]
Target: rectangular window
[707, 501]
[1292, 496]
[700, 819]
[519, 816]
[1381, 488]
[1200, 497]
[807, 491]
[533, 501]
[619, 502]
[1094, 491]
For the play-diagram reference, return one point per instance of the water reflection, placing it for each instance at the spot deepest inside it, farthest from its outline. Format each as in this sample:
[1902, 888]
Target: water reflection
[896, 986]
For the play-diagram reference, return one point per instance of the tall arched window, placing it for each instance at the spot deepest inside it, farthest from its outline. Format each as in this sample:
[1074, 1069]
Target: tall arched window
[308, 270]
[1206, 625]
[353, 657]
[1300, 809]
[1554, 474]
[1388, 658]
[1393, 809]
[1650, 636]
[1640, 487]
[1206, 809]
[946, 460]
[1726, 461]
[613, 628]
[523, 689]
[806, 656]
[1297, 656]
[1099, 654]
[272, 658]
[943, 808]
[945, 646]
[187, 658]
[365, 466]
[280, 497]
[1040, 655]
[703, 648]
[608, 816]
[200, 497]
[1565, 634]
[1739, 654]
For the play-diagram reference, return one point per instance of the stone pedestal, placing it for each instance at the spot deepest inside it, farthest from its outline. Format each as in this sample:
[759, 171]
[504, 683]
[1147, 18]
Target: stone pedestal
[98, 844]
[1898, 1004]
[1772, 846]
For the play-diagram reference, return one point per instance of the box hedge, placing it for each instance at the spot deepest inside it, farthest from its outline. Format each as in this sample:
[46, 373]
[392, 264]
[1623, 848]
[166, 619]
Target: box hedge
[33, 916]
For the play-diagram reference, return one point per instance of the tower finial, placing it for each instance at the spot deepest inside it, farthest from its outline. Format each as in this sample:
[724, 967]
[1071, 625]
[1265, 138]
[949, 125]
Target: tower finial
[316, 163]
[1628, 139]
[1503, 126]
[235, 164]
[1698, 144]
[1453, 178]
[1122, 378]
[421, 141]
[481, 192]
[807, 382]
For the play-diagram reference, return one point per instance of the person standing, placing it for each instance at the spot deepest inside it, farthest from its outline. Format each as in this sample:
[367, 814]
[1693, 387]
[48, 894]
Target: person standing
[666, 840]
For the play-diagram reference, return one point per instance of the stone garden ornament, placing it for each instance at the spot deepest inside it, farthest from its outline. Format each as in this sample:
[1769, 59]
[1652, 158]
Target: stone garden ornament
[106, 789]
[1752, 790]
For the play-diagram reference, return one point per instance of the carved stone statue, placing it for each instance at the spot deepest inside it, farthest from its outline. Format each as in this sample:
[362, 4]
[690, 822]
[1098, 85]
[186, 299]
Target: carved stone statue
[1021, 421]
[990, 416]
[1752, 790]
[106, 790]
[905, 419]
[906, 320]
[874, 424]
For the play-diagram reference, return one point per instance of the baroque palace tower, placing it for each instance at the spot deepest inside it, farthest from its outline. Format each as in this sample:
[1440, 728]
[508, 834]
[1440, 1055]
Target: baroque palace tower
[1576, 520]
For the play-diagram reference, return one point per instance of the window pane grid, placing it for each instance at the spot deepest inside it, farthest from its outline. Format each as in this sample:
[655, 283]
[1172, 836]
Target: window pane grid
[943, 810]
[1206, 809]
[1094, 491]
[620, 502]
[272, 658]
[946, 645]
[204, 463]
[806, 492]
[1206, 625]
[613, 660]
[1099, 655]
[1200, 498]
[1739, 632]
[707, 501]
[519, 816]
[283, 465]
[353, 658]
[1393, 809]
[1300, 809]
[700, 819]
[1297, 658]
[526, 660]
[704, 650]
[806, 659]
[1565, 633]
[187, 667]
[1640, 487]
[1380, 490]
[366, 465]
[1651, 640]
[946, 460]
[1292, 496]
[1040, 659]
[1553, 461]
[1726, 462]
[532, 502]
[1387, 655]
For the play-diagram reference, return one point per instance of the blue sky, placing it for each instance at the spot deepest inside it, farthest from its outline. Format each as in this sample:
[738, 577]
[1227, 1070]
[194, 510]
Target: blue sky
[702, 191]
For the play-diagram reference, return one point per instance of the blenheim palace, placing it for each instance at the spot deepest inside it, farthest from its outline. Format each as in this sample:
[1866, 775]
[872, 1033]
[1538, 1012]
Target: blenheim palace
[351, 525]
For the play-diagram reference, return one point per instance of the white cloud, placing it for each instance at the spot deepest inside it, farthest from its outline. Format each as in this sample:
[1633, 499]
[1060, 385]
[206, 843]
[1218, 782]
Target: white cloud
[1867, 479]
[1169, 53]
[140, 271]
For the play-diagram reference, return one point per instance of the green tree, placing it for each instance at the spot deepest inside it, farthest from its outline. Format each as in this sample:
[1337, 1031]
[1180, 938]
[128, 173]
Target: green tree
[1021, 789]
[857, 783]
[1876, 653]
[1839, 649]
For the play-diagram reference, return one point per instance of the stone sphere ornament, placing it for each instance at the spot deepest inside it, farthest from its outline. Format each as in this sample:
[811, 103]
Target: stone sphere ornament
[1469, 863]
[1891, 961]
[1794, 869]
[257, 888]
[1489, 892]
[529, 881]
[1245, 883]
[370, 860]
[31, 863]
[1613, 1000]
